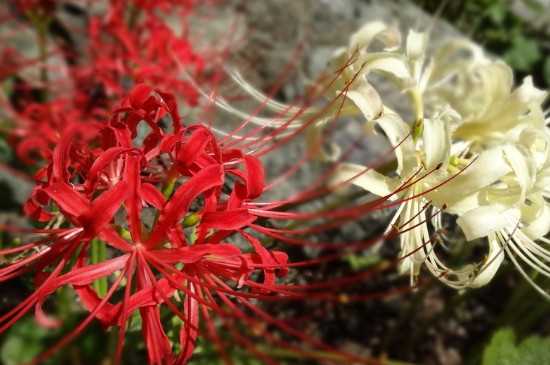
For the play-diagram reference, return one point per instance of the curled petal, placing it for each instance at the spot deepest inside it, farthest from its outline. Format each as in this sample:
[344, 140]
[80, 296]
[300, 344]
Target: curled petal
[139, 94]
[363, 177]
[366, 98]
[178, 205]
[482, 221]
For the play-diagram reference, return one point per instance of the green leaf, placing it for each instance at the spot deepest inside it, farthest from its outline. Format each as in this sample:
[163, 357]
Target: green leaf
[496, 12]
[502, 350]
[534, 350]
[361, 262]
[523, 53]
[24, 341]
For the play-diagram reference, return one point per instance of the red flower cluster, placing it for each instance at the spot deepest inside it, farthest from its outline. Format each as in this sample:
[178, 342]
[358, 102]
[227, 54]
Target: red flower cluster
[140, 48]
[130, 43]
[101, 184]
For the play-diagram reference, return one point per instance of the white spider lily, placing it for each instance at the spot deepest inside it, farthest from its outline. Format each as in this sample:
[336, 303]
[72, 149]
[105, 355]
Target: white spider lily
[512, 212]
[421, 167]
[491, 141]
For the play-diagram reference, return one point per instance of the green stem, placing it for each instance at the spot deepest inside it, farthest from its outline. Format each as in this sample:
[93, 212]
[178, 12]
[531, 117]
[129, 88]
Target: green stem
[99, 254]
[169, 188]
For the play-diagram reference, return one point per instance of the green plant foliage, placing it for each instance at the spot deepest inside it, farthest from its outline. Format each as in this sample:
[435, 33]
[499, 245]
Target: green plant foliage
[523, 53]
[493, 24]
[23, 342]
[503, 350]
[361, 262]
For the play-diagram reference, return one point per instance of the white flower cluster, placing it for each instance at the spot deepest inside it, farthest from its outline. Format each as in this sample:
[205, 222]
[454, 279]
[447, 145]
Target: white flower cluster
[477, 150]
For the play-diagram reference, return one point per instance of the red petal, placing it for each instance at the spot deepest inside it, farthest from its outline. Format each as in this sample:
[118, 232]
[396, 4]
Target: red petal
[255, 177]
[104, 208]
[89, 273]
[178, 205]
[190, 329]
[133, 203]
[102, 161]
[61, 153]
[68, 199]
[266, 257]
[194, 146]
[158, 346]
[43, 319]
[152, 196]
[227, 220]
[90, 300]
[192, 254]
[139, 94]
[111, 237]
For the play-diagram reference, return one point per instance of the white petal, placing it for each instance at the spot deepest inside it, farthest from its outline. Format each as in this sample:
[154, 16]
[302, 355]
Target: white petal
[367, 99]
[399, 136]
[537, 142]
[363, 177]
[390, 64]
[437, 142]
[375, 30]
[528, 93]
[520, 166]
[482, 221]
[464, 205]
[536, 218]
[416, 44]
[491, 265]
[488, 168]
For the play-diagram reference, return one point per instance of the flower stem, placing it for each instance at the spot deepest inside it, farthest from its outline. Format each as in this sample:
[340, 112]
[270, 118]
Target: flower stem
[99, 254]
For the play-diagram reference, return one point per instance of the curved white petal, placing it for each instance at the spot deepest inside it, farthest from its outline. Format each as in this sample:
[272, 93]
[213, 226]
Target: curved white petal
[521, 169]
[391, 64]
[528, 93]
[489, 167]
[536, 218]
[482, 221]
[437, 142]
[399, 136]
[361, 40]
[367, 99]
[491, 264]
[363, 177]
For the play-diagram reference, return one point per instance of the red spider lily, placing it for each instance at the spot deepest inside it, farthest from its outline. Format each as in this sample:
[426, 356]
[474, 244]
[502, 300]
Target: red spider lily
[40, 126]
[187, 182]
[142, 49]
